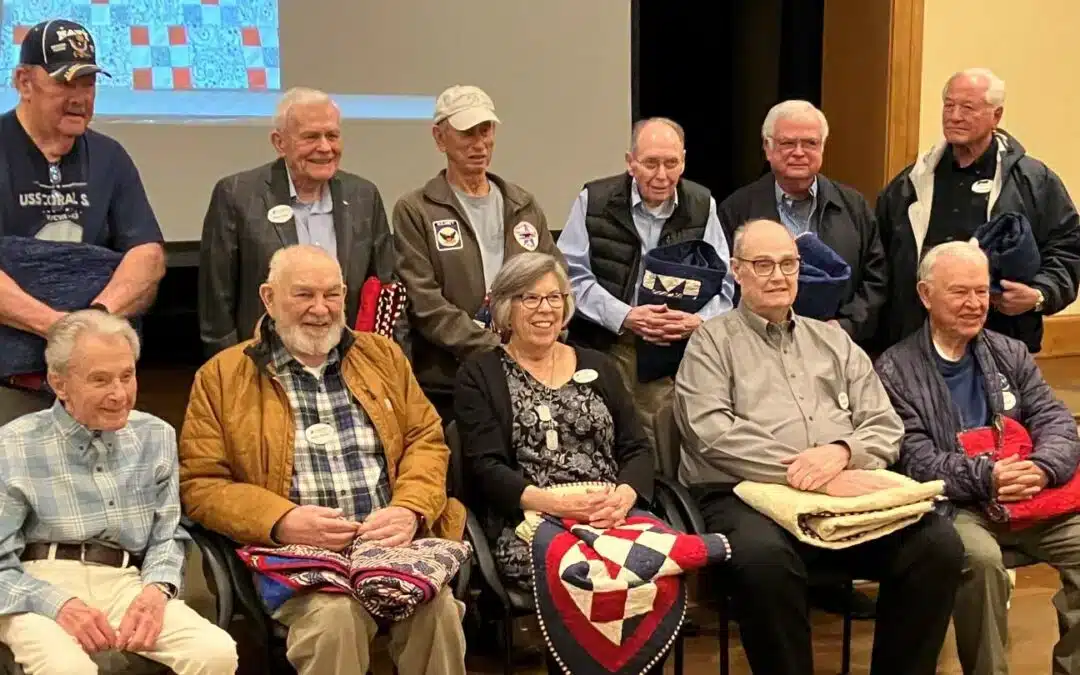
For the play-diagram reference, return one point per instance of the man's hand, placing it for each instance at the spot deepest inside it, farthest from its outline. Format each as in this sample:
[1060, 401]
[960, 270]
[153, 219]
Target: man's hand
[389, 526]
[315, 526]
[648, 321]
[1016, 479]
[141, 625]
[612, 512]
[87, 625]
[834, 322]
[1016, 298]
[859, 482]
[679, 325]
[814, 467]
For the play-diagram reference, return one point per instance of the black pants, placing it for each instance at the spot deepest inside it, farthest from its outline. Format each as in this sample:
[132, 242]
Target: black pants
[918, 567]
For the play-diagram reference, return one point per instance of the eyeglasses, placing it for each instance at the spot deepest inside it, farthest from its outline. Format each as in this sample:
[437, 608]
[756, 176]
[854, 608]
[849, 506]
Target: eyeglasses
[764, 267]
[533, 300]
[787, 145]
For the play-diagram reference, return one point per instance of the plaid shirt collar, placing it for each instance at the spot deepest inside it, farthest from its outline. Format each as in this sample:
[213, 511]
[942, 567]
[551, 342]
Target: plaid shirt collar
[74, 432]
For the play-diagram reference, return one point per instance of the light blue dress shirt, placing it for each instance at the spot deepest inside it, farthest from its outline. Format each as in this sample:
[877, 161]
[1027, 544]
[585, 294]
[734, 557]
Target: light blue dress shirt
[797, 215]
[64, 483]
[315, 221]
[600, 306]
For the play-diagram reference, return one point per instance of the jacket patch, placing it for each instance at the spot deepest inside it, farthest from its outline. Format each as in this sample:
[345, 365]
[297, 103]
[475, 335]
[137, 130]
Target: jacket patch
[526, 235]
[447, 234]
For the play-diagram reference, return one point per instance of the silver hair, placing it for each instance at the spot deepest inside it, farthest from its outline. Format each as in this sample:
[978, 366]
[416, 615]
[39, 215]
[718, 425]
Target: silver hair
[285, 258]
[294, 97]
[995, 86]
[635, 131]
[519, 274]
[65, 333]
[792, 109]
[964, 250]
[740, 233]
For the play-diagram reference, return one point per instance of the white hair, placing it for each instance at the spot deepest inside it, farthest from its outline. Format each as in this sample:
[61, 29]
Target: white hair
[284, 259]
[65, 333]
[294, 97]
[792, 109]
[995, 86]
[962, 250]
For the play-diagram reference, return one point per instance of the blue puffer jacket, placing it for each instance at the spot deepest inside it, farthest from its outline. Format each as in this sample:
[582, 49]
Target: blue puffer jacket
[1015, 388]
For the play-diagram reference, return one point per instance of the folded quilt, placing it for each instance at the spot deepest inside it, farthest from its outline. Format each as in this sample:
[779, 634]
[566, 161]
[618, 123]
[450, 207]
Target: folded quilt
[841, 522]
[65, 276]
[1010, 247]
[823, 278]
[381, 306]
[390, 583]
[613, 600]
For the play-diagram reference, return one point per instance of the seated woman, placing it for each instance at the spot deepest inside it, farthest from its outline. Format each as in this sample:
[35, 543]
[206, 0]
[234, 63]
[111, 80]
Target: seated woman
[538, 413]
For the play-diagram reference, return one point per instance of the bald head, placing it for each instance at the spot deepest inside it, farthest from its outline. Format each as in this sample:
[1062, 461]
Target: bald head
[302, 257]
[761, 234]
[766, 265]
[305, 296]
[656, 159]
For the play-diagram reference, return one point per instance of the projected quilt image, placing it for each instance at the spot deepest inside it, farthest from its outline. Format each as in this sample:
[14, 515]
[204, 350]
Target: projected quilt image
[164, 45]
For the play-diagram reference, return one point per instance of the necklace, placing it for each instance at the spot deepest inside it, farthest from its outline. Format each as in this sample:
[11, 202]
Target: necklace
[543, 409]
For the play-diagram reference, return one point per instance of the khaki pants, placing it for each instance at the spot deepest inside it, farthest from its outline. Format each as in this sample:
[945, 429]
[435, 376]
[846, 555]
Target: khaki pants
[649, 397]
[188, 644]
[980, 615]
[331, 634]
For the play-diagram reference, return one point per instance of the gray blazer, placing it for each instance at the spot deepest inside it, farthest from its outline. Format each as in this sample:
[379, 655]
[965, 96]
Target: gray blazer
[238, 240]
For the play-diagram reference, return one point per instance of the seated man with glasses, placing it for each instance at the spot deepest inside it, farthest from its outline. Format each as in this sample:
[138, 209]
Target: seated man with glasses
[769, 396]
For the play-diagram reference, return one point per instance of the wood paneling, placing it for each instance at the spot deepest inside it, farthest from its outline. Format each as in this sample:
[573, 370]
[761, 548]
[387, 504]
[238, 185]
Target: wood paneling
[1061, 336]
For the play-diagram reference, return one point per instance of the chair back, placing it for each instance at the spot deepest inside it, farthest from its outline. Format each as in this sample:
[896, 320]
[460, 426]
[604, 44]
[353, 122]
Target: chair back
[455, 476]
[668, 441]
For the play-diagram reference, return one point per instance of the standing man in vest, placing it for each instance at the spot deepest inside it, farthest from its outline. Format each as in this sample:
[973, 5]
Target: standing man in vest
[796, 194]
[452, 237]
[613, 224]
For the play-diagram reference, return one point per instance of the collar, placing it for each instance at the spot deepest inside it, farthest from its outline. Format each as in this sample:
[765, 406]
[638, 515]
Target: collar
[781, 195]
[761, 325]
[984, 163]
[75, 432]
[324, 204]
[666, 209]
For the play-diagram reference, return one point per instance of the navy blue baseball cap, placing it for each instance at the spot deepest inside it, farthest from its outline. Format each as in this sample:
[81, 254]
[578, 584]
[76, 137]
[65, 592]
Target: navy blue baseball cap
[63, 48]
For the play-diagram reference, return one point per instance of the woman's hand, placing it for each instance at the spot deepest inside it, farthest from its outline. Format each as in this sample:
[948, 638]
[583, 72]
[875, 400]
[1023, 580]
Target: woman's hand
[612, 512]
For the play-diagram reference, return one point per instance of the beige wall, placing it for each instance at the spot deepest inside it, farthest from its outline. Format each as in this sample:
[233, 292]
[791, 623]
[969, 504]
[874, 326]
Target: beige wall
[1030, 44]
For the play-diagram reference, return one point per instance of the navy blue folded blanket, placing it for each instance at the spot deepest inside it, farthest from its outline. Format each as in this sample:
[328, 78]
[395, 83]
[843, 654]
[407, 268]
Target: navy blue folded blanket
[65, 276]
[1010, 245]
[823, 278]
[683, 276]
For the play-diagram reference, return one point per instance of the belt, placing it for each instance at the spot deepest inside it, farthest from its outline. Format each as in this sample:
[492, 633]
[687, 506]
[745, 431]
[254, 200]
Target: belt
[88, 552]
[29, 381]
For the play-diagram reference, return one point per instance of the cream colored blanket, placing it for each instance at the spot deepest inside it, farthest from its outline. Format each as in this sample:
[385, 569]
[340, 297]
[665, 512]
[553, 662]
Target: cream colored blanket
[839, 522]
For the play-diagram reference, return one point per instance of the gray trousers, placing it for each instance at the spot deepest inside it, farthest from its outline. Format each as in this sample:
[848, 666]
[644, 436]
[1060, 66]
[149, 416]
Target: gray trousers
[980, 615]
[15, 403]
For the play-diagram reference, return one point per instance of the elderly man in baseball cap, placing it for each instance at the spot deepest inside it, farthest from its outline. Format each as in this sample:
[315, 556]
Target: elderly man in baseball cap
[69, 192]
[452, 236]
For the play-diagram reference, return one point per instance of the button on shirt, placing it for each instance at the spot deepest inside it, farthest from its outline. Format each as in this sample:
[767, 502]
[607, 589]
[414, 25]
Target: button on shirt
[315, 221]
[63, 483]
[600, 306]
[345, 468]
[797, 215]
[751, 393]
[956, 211]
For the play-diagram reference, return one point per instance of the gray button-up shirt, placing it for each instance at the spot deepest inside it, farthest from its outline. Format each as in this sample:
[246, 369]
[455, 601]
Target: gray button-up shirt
[750, 393]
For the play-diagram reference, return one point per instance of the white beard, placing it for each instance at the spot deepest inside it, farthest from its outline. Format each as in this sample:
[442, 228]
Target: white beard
[299, 341]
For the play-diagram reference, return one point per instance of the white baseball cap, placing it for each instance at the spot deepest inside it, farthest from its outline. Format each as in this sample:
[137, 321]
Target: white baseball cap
[464, 106]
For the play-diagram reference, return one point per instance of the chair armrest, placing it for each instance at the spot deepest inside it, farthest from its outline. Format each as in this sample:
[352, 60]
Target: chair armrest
[673, 493]
[215, 568]
[484, 560]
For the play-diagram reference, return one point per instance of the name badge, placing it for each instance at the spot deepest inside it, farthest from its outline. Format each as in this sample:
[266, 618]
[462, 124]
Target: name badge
[585, 376]
[1008, 399]
[982, 187]
[320, 434]
[279, 214]
[842, 399]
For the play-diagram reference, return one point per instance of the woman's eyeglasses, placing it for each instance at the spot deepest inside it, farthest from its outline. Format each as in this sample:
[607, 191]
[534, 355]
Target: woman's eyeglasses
[533, 300]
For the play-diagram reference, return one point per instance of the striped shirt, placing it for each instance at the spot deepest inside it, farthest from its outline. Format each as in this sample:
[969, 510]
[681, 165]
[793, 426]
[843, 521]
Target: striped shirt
[63, 483]
[338, 459]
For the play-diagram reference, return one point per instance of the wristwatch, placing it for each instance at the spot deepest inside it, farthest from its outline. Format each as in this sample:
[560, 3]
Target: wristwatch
[168, 589]
[1040, 301]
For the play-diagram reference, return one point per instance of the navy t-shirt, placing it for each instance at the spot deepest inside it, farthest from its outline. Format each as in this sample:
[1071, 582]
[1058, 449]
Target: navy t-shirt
[92, 195]
[965, 381]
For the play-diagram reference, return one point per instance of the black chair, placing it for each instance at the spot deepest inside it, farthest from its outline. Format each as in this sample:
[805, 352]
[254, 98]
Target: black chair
[668, 443]
[219, 583]
[511, 604]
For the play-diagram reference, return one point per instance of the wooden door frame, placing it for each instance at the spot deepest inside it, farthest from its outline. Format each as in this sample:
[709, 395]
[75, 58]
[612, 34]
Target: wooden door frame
[904, 85]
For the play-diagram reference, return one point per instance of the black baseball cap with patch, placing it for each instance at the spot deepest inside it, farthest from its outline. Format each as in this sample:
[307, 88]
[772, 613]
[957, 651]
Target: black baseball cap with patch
[63, 48]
